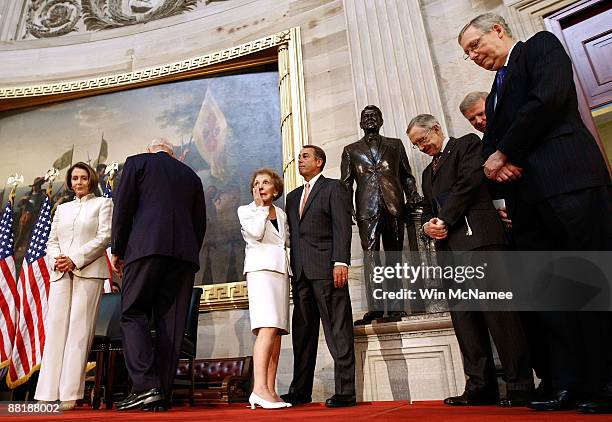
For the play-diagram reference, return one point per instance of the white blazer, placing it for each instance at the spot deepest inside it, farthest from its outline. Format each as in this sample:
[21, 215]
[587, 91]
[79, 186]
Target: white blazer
[265, 246]
[81, 230]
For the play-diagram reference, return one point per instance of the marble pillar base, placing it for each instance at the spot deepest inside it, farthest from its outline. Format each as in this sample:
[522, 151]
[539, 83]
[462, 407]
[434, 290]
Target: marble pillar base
[417, 358]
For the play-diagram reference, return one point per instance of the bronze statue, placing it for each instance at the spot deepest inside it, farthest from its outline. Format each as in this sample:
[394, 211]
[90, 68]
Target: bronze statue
[386, 192]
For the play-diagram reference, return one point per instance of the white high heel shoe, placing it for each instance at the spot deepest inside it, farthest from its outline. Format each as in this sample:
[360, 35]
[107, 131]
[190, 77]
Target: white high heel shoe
[254, 399]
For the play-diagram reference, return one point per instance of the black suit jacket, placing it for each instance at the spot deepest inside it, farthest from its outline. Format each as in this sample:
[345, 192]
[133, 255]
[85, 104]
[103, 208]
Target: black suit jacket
[458, 189]
[383, 176]
[323, 235]
[536, 122]
[159, 210]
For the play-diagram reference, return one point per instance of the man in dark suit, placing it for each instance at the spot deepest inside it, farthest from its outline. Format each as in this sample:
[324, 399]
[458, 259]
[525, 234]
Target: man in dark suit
[458, 213]
[320, 226]
[159, 222]
[473, 108]
[557, 183]
[386, 191]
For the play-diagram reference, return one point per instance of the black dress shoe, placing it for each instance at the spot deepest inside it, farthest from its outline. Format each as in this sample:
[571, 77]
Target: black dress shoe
[601, 405]
[559, 400]
[368, 317]
[472, 398]
[137, 400]
[338, 400]
[158, 406]
[295, 399]
[516, 399]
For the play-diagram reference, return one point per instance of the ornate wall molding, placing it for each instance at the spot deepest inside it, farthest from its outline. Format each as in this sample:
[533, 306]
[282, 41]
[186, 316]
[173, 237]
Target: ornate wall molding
[108, 14]
[54, 18]
[146, 74]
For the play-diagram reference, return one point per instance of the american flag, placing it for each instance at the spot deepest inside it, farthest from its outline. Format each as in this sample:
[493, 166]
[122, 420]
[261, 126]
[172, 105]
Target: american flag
[9, 298]
[108, 283]
[34, 291]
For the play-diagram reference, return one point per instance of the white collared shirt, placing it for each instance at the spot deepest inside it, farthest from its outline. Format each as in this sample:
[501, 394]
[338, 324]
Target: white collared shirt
[509, 53]
[444, 143]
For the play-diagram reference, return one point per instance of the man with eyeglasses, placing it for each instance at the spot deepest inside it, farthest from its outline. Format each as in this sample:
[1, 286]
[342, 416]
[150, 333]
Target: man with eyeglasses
[562, 198]
[459, 215]
[473, 108]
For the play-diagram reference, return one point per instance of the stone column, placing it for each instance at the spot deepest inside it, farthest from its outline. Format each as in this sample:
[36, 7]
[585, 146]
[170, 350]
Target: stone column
[12, 19]
[392, 66]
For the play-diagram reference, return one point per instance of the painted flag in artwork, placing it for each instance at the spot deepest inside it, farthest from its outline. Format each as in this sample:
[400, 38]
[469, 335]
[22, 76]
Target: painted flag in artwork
[9, 298]
[102, 154]
[65, 160]
[209, 135]
[33, 287]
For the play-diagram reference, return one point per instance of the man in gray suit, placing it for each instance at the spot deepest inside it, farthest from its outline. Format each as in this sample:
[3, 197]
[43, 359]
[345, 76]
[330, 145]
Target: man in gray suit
[320, 228]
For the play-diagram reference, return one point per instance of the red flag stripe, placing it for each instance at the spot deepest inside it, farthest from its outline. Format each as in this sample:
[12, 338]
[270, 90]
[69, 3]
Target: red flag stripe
[7, 272]
[39, 270]
[3, 354]
[21, 360]
[8, 318]
[29, 306]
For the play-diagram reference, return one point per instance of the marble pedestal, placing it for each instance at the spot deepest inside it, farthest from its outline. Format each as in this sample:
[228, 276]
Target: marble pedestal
[417, 358]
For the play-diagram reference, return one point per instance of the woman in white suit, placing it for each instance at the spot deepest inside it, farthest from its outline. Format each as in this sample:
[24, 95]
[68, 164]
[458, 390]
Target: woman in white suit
[266, 233]
[80, 233]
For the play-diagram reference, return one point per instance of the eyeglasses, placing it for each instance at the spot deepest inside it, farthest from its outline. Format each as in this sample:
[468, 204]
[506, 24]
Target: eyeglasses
[419, 143]
[474, 45]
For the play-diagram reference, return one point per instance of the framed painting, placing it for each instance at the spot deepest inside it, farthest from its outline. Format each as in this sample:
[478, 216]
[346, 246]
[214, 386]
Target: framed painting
[227, 113]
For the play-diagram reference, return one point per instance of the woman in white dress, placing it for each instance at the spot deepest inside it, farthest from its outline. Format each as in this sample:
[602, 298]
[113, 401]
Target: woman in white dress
[80, 233]
[266, 232]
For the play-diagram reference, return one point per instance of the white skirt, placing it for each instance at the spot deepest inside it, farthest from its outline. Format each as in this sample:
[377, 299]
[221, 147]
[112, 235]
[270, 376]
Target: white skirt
[268, 300]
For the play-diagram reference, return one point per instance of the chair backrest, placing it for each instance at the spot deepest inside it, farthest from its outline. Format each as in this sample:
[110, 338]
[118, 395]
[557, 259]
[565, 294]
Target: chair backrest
[109, 314]
[191, 328]
[215, 370]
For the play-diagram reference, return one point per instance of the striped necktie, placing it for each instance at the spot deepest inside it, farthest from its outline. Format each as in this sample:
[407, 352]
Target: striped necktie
[306, 192]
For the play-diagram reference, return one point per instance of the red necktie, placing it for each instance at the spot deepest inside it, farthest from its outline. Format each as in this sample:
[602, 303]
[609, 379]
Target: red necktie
[306, 192]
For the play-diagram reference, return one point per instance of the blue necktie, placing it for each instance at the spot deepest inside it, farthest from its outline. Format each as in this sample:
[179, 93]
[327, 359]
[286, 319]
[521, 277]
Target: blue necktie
[499, 79]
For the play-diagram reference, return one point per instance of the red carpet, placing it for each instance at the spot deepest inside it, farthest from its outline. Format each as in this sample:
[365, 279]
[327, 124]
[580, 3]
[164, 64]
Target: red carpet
[376, 411]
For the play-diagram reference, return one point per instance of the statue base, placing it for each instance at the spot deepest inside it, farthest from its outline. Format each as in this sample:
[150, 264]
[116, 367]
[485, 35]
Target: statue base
[417, 358]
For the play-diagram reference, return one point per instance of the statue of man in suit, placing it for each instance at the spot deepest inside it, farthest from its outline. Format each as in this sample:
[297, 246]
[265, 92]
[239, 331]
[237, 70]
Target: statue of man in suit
[386, 192]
